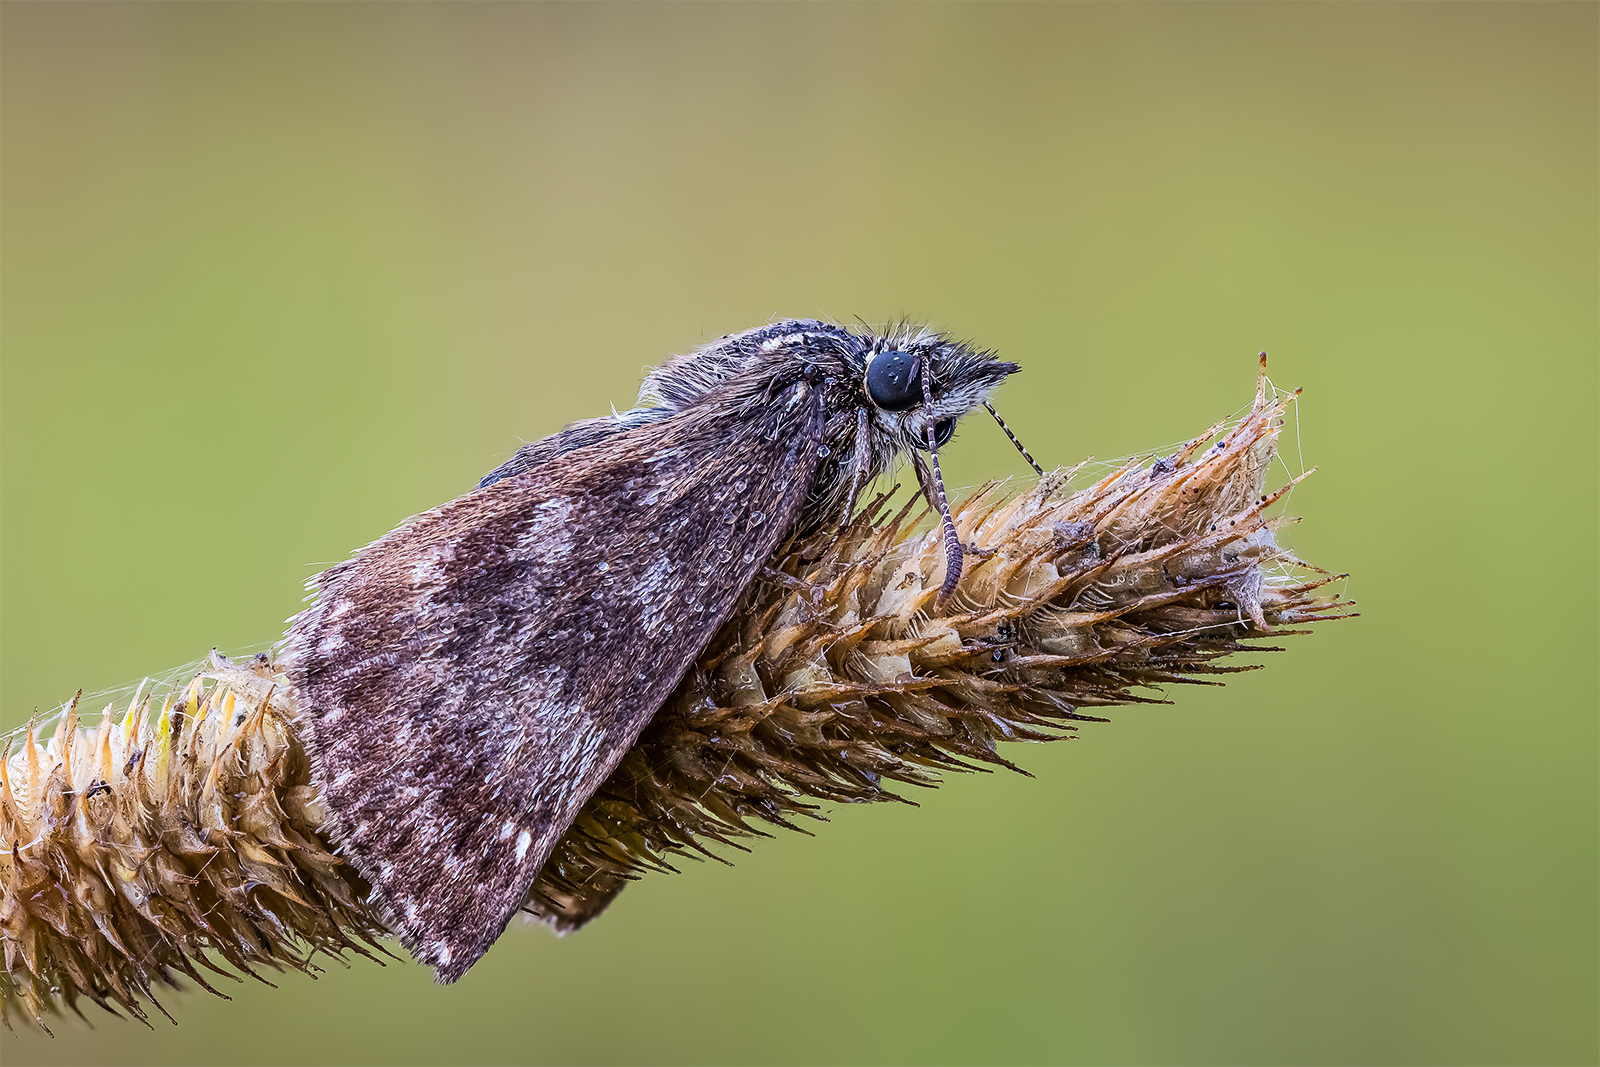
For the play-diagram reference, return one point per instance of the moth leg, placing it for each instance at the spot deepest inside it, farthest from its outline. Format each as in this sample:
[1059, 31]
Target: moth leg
[860, 458]
[954, 550]
[810, 593]
[931, 495]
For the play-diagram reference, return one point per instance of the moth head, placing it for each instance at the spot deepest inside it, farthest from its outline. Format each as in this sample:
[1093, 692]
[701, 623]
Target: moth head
[924, 381]
[916, 387]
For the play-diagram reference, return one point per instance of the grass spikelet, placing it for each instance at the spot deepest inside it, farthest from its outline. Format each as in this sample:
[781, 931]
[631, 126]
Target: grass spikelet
[841, 679]
[186, 835]
[182, 838]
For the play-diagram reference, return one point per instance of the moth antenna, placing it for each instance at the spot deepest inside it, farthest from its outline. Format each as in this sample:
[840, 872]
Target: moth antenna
[858, 464]
[1020, 447]
[953, 552]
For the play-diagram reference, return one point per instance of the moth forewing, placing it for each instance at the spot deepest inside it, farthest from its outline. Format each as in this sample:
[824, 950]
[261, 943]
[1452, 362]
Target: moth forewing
[471, 678]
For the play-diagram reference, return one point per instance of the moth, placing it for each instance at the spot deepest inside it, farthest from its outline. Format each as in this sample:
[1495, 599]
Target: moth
[471, 678]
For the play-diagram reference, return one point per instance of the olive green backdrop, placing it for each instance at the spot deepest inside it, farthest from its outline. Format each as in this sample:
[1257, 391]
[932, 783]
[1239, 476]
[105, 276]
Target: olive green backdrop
[276, 277]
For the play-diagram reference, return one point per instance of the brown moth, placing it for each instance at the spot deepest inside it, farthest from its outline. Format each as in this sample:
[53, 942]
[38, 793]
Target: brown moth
[472, 677]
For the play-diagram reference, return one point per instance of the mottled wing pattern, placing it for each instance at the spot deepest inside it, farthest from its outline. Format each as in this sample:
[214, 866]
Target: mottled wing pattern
[472, 677]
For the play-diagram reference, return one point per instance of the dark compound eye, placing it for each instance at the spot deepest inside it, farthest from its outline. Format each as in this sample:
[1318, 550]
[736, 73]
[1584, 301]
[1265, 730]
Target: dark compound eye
[943, 430]
[894, 380]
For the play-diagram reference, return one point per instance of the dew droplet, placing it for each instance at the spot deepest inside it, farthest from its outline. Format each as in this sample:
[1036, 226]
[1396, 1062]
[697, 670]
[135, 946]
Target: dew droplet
[739, 486]
[759, 517]
[604, 566]
[824, 452]
[588, 635]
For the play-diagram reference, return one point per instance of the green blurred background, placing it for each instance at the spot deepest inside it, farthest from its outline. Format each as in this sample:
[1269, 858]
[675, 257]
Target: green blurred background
[277, 276]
